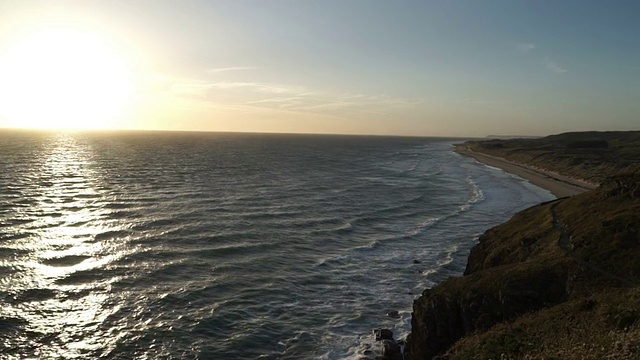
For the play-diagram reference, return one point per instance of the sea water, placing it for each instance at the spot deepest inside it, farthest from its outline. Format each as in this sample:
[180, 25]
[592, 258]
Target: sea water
[159, 245]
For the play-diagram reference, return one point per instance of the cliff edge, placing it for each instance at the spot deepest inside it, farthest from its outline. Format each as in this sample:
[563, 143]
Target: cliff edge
[558, 280]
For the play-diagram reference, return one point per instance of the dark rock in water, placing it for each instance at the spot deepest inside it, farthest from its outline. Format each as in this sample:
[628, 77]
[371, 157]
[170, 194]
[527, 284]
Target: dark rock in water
[416, 261]
[391, 350]
[383, 334]
[393, 313]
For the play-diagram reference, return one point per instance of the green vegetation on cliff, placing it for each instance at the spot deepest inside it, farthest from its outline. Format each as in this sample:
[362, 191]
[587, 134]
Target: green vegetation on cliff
[560, 280]
[591, 156]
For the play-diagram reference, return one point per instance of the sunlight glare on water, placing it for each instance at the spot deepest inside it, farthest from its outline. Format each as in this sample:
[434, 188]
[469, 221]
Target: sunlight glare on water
[63, 219]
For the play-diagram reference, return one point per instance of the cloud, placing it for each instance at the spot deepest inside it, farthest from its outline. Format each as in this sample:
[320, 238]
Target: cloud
[554, 67]
[259, 87]
[275, 96]
[525, 47]
[284, 102]
[233, 68]
[197, 87]
[338, 103]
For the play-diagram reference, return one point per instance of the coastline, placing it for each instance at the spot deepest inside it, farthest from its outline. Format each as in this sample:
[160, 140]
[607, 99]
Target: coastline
[526, 281]
[560, 186]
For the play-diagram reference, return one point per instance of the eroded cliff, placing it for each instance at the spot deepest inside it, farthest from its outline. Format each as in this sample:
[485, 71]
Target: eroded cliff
[558, 280]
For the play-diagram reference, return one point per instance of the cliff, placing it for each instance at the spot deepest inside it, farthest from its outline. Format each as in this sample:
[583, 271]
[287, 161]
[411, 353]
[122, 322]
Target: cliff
[558, 280]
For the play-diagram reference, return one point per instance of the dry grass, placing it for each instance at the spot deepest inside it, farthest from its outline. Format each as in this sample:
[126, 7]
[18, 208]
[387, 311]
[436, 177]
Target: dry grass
[603, 326]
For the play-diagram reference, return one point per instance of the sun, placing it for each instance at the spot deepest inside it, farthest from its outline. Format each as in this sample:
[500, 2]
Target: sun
[62, 79]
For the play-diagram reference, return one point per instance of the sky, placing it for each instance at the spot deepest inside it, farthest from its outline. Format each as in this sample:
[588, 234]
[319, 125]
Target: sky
[425, 68]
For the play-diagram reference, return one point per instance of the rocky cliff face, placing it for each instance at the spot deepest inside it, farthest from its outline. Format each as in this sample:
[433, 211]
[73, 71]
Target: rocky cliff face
[554, 253]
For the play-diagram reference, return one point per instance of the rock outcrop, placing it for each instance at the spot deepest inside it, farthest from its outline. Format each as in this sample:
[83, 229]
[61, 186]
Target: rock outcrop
[388, 348]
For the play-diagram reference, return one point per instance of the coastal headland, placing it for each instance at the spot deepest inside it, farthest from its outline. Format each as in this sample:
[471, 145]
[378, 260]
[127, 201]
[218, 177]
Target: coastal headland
[559, 280]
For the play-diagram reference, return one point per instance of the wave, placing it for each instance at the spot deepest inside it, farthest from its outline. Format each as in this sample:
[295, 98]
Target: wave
[477, 195]
[343, 227]
[413, 166]
[444, 267]
[15, 236]
[112, 234]
[34, 295]
[420, 228]
[65, 261]
[401, 210]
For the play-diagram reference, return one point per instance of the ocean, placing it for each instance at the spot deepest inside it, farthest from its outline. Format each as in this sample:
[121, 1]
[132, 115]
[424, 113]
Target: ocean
[165, 245]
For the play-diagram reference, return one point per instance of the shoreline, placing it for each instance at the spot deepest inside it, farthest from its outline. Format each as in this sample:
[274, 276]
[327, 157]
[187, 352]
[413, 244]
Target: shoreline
[560, 186]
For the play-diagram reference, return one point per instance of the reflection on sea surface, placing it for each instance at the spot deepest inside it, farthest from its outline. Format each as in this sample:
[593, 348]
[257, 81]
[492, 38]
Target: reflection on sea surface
[54, 209]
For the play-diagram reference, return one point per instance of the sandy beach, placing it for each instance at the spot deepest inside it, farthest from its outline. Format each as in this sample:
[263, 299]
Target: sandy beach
[558, 185]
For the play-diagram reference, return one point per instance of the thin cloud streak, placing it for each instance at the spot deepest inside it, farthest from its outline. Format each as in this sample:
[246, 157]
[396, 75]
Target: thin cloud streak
[554, 67]
[283, 97]
[525, 47]
[230, 69]
[321, 103]
[259, 87]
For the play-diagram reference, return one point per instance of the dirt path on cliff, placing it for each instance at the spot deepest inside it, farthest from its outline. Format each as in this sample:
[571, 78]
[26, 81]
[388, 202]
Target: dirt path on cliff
[564, 245]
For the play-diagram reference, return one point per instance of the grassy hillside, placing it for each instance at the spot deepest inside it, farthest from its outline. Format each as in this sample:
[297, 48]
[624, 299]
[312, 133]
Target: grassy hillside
[591, 156]
[558, 281]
